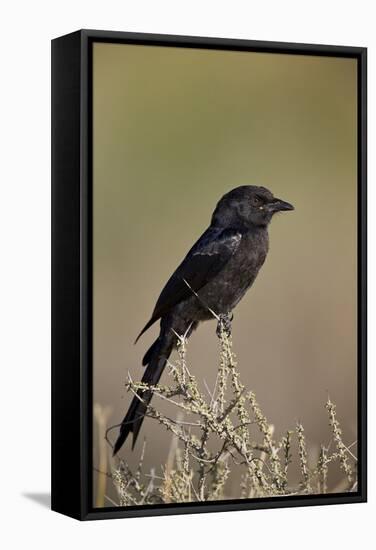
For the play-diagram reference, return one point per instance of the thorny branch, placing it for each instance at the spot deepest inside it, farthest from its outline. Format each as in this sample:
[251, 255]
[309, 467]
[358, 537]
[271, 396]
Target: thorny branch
[221, 430]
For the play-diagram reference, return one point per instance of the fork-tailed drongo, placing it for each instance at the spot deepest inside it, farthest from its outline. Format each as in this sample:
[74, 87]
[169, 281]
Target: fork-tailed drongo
[213, 277]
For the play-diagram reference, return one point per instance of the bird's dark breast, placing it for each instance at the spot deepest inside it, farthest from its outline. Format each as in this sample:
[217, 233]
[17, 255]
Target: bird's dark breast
[225, 290]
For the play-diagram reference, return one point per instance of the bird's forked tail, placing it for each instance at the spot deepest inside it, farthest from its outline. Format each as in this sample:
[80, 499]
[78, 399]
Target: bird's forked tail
[132, 422]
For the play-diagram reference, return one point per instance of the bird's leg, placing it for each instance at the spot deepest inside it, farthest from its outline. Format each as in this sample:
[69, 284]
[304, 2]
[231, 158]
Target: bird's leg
[225, 323]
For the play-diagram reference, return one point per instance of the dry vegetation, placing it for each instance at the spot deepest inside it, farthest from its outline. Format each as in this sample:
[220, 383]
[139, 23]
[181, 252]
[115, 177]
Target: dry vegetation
[218, 432]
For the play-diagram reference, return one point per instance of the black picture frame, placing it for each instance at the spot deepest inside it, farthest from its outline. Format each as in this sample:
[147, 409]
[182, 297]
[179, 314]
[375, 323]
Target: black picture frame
[72, 429]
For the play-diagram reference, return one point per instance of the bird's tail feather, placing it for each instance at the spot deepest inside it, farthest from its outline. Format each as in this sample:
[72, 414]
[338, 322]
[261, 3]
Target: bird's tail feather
[134, 418]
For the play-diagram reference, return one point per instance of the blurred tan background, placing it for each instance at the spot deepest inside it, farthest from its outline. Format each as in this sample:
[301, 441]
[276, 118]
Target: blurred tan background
[174, 129]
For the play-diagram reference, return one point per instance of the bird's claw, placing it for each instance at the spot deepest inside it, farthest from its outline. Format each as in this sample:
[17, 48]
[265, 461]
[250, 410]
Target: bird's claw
[224, 324]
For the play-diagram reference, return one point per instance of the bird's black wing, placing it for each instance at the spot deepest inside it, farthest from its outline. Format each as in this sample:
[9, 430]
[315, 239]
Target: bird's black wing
[205, 259]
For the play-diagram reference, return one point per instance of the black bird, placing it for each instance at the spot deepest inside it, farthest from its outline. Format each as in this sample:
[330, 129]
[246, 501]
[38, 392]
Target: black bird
[213, 277]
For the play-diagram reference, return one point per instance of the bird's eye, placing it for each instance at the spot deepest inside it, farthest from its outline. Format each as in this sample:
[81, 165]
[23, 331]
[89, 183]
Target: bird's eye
[256, 201]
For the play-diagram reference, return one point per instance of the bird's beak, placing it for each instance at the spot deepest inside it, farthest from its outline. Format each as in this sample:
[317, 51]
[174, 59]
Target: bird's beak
[279, 205]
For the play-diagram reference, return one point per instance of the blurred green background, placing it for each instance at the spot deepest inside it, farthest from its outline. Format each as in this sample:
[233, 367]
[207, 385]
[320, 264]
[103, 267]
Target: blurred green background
[174, 129]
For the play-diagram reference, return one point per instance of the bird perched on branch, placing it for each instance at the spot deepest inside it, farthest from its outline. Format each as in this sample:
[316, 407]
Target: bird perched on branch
[213, 277]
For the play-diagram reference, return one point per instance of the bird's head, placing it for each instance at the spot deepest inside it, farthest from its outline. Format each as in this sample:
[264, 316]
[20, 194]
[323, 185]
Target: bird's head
[247, 206]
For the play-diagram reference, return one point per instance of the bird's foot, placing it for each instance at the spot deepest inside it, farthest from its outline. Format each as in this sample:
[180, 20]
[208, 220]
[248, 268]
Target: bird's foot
[225, 324]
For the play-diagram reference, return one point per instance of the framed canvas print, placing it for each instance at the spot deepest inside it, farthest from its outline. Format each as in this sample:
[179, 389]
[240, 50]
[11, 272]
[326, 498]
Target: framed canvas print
[208, 274]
